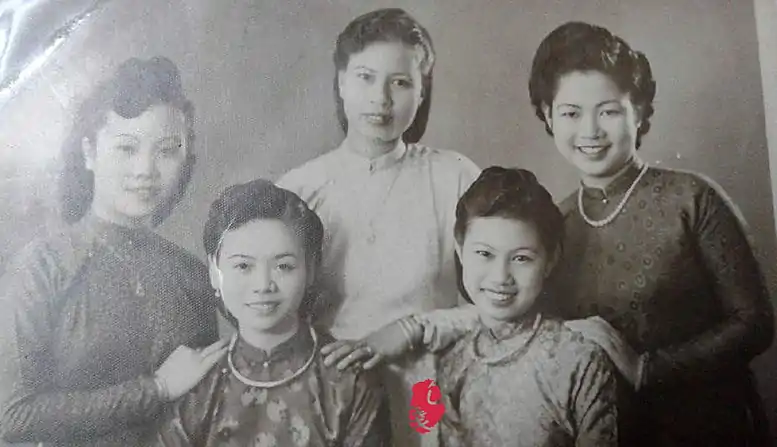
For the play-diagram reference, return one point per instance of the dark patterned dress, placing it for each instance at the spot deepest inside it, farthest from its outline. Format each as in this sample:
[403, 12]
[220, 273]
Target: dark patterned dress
[322, 407]
[86, 318]
[542, 386]
[675, 274]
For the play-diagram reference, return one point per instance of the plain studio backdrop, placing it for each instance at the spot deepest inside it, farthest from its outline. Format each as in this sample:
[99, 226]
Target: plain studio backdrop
[260, 75]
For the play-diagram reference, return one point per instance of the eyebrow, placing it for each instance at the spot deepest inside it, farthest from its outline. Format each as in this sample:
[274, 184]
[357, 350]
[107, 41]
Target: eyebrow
[608, 101]
[485, 245]
[276, 257]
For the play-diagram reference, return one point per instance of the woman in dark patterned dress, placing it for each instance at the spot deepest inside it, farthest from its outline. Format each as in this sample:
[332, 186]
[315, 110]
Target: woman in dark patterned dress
[272, 388]
[657, 258]
[90, 313]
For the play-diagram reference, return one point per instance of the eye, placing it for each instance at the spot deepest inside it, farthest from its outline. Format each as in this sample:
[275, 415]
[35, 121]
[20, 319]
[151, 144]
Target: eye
[403, 83]
[242, 266]
[522, 259]
[171, 150]
[364, 76]
[286, 267]
[483, 253]
[570, 114]
[611, 112]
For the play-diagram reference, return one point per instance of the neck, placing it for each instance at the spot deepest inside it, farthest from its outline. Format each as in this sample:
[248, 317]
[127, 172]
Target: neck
[267, 340]
[602, 182]
[501, 330]
[369, 147]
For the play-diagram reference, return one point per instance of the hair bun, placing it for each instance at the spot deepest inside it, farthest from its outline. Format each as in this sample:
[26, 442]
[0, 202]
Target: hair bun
[157, 77]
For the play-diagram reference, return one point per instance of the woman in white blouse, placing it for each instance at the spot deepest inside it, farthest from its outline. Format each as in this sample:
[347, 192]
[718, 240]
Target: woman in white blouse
[387, 202]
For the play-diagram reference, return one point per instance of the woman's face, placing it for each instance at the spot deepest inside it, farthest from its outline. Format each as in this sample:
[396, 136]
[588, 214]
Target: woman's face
[381, 90]
[136, 163]
[262, 275]
[504, 266]
[594, 124]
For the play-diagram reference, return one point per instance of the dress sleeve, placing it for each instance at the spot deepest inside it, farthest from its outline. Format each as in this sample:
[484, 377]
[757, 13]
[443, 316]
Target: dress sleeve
[368, 426]
[31, 409]
[594, 401]
[190, 418]
[747, 328]
[443, 327]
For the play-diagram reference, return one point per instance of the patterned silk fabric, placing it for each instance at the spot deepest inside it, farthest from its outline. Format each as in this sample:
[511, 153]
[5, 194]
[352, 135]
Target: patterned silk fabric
[321, 407]
[553, 389]
[675, 274]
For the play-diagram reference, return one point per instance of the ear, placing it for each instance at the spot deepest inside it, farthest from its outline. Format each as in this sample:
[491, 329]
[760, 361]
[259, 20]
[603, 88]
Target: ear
[546, 110]
[340, 82]
[216, 279]
[88, 150]
[457, 248]
[552, 261]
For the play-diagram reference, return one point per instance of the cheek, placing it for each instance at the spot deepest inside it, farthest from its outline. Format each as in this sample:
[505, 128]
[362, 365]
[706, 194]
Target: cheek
[170, 170]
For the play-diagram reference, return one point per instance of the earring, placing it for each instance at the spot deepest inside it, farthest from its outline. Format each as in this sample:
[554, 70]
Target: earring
[218, 293]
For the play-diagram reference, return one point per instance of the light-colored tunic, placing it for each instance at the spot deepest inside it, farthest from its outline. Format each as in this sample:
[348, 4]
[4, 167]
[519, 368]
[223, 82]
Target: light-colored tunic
[389, 246]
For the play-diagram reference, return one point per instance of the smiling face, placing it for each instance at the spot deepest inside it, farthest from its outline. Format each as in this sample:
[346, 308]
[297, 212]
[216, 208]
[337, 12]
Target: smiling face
[381, 90]
[504, 265]
[594, 124]
[262, 275]
[136, 162]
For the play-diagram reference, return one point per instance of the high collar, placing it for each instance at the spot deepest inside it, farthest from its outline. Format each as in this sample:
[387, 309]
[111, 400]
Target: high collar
[296, 349]
[116, 235]
[360, 162]
[618, 185]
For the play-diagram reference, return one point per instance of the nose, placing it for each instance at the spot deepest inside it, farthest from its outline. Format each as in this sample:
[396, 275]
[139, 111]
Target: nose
[144, 163]
[500, 273]
[380, 93]
[263, 281]
[589, 126]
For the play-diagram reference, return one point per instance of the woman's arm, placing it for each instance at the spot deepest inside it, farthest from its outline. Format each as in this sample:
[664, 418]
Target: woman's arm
[31, 409]
[369, 425]
[594, 402]
[748, 325]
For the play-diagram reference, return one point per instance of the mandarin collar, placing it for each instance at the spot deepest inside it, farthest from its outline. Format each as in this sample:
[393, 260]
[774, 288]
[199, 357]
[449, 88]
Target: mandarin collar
[364, 164]
[617, 186]
[296, 347]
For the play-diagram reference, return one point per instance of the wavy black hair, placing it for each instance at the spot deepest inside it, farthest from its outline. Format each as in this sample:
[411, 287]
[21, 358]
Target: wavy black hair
[136, 86]
[387, 25]
[579, 46]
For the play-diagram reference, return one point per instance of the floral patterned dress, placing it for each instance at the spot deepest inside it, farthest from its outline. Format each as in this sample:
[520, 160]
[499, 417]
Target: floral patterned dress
[541, 385]
[321, 407]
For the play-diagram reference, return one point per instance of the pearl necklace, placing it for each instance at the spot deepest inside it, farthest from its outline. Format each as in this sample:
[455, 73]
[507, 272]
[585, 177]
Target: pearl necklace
[275, 383]
[607, 220]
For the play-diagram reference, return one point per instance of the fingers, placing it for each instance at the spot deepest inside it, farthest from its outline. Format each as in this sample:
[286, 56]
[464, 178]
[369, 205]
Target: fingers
[373, 362]
[339, 353]
[354, 357]
[215, 347]
[326, 350]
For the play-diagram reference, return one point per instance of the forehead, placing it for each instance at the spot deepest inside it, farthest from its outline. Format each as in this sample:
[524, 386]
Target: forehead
[394, 57]
[503, 233]
[261, 239]
[158, 121]
[586, 87]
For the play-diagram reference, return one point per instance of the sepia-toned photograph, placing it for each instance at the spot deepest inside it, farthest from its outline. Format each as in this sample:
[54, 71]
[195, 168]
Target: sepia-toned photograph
[354, 223]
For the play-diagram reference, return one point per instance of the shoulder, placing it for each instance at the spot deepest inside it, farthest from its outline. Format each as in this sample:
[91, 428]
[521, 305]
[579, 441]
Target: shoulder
[349, 382]
[443, 159]
[679, 182]
[312, 174]
[568, 351]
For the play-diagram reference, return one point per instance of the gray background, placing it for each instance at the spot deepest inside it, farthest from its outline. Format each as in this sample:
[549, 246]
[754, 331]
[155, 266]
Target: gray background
[260, 74]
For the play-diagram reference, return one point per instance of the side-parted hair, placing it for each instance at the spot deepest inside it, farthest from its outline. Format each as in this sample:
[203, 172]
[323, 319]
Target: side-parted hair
[136, 86]
[387, 25]
[579, 46]
[508, 193]
[260, 199]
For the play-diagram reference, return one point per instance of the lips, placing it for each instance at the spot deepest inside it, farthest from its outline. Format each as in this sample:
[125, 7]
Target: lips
[264, 307]
[593, 150]
[379, 119]
[501, 297]
[144, 192]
